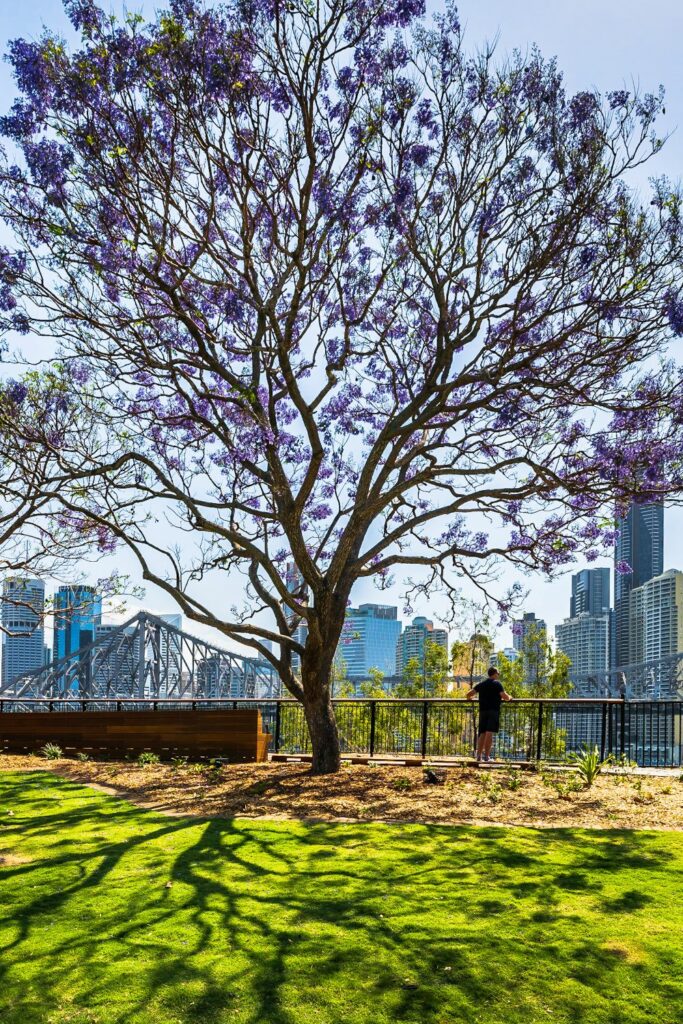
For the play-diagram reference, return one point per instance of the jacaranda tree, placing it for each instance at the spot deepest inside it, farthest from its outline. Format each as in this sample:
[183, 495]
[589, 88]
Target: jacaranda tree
[327, 290]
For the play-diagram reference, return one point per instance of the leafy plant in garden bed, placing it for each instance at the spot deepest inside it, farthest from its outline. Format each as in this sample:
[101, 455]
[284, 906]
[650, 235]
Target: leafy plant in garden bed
[147, 758]
[51, 751]
[588, 764]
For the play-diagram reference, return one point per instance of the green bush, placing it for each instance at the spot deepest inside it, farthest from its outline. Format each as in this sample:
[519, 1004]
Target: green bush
[402, 783]
[513, 779]
[82, 756]
[493, 791]
[565, 784]
[147, 758]
[178, 762]
[51, 751]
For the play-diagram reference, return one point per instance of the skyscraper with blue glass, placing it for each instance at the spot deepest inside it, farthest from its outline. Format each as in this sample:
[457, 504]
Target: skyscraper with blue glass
[369, 640]
[78, 613]
[640, 547]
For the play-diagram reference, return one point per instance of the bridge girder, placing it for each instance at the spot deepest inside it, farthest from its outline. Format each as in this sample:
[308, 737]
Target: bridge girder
[148, 657]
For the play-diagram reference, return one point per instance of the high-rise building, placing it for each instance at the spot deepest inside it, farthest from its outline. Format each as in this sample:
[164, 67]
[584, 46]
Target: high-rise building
[296, 585]
[584, 638]
[172, 648]
[173, 619]
[411, 642]
[590, 593]
[656, 618]
[23, 644]
[526, 625]
[78, 613]
[369, 639]
[640, 546]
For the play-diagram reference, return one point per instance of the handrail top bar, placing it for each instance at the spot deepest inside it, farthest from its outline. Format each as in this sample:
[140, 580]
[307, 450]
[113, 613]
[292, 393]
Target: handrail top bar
[13, 699]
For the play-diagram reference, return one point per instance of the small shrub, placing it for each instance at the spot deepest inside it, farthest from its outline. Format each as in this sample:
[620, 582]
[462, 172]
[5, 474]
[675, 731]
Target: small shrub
[147, 758]
[588, 764]
[563, 783]
[196, 768]
[402, 783]
[566, 786]
[643, 796]
[178, 763]
[623, 761]
[512, 779]
[493, 791]
[82, 756]
[51, 751]
[666, 790]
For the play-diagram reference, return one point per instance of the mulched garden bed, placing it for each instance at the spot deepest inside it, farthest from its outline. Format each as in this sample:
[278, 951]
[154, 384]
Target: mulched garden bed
[548, 799]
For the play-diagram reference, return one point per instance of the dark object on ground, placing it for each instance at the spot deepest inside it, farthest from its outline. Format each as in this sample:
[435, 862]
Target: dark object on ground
[435, 776]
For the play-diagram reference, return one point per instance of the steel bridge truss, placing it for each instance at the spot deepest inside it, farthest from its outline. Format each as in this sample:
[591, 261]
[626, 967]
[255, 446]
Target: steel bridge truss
[147, 657]
[650, 680]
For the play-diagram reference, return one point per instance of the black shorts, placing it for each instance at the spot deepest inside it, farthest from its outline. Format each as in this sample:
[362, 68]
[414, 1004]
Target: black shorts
[489, 721]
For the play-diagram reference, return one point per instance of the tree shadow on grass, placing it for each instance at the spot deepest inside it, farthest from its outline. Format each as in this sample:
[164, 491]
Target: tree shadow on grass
[258, 922]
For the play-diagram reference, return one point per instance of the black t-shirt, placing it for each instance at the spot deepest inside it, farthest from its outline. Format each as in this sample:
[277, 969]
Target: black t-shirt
[489, 691]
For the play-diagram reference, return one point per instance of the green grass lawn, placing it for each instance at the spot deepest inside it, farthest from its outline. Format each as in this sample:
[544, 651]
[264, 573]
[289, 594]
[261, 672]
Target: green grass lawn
[287, 923]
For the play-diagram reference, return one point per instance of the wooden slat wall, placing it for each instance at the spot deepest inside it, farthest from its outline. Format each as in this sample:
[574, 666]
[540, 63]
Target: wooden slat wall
[236, 735]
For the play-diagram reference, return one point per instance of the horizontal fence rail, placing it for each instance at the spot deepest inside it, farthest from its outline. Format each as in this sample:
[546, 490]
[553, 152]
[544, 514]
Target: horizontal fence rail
[648, 733]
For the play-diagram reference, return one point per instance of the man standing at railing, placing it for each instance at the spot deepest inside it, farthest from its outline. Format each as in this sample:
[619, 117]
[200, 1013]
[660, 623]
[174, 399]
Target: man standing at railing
[490, 693]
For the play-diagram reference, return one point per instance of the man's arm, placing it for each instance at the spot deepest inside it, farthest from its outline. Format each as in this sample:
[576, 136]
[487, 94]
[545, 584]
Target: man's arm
[471, 694]
[505, 696]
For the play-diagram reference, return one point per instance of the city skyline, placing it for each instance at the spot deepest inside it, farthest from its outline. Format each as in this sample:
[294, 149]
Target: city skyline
[582, 589]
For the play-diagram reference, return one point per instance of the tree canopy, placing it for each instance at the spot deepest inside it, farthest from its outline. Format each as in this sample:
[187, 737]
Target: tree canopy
[329, 290]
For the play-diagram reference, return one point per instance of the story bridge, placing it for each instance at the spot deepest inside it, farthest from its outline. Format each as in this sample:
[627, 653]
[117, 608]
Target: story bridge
[148, 658]
[660, 679]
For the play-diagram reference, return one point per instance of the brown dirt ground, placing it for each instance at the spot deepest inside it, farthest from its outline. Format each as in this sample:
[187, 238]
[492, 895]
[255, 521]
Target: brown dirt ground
[383, 793]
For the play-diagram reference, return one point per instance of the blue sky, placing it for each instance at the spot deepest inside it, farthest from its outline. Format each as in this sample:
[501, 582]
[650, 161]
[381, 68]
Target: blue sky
[605, 44]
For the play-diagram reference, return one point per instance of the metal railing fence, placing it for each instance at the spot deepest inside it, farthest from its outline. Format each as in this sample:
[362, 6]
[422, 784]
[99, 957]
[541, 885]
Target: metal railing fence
[649, 733]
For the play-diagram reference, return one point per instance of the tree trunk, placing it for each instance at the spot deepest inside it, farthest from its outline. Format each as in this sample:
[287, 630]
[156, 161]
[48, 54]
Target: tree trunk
[322, 725]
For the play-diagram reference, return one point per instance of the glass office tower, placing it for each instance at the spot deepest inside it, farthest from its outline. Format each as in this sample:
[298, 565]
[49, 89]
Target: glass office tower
[640, 545]
[23, 642]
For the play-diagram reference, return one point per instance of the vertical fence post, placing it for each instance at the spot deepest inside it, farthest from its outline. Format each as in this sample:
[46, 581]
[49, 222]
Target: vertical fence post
[373, 720]
[276, 740]
[539, 732]
[622, 728]
[603, 731]
[423, 745]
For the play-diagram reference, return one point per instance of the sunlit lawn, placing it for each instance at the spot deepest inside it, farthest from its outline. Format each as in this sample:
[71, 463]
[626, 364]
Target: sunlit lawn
[285, 922]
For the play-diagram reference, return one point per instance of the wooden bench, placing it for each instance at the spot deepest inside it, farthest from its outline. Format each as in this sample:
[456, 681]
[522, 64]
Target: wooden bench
[233, 735]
